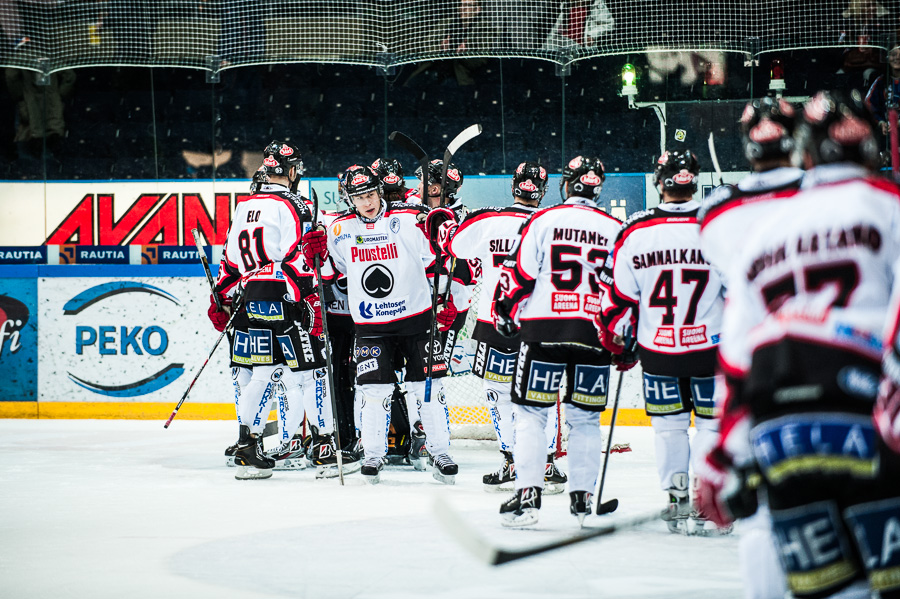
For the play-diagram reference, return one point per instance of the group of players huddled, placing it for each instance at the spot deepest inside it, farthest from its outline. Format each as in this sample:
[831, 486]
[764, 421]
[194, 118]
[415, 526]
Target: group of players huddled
[767, 314]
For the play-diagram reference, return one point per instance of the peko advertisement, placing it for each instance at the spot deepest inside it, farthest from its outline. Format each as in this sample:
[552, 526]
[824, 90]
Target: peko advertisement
[128, 340]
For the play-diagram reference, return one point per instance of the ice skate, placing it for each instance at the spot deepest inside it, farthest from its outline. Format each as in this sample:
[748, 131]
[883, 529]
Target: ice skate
[679, 509]
[580, 505]
[251, 462]
[243, 437]
[522, 508]
[417, 451]
[699, 526]
[290, 455]
[554, 479]
[371, 470]
[324, 459]
[503, 479]
[444, 469]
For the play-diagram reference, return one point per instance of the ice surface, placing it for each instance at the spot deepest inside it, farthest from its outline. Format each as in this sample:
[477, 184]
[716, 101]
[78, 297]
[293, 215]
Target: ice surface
[128, 509]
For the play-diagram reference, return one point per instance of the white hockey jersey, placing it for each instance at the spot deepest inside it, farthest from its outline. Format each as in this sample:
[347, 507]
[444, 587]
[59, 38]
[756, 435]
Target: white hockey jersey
[809, 295]
[489, 235]
[337, 303]
[385, 264]
[551, 280]
[731, 212]
[661, 277]
[264, 236]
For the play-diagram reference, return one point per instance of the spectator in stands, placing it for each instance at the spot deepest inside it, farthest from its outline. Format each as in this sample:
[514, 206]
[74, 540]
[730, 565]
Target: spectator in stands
[579, 24]
[40, 109]
[866, 26]
[885, 91]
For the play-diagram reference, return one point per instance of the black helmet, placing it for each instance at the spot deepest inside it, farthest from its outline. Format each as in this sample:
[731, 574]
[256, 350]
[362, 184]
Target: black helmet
[259, 178]
[358, 180]
[390, 172]
[585, 175]
[767, 127]
[530, 181]
[279, 157]
[835, 127]
[677, 171]
[436, 171]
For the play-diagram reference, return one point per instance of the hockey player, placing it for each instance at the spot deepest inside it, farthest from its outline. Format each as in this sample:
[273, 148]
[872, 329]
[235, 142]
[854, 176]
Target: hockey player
[384, 257]
[486, 236]
[263, 240]
[801, 350]
[549, 288]
[390, 173]
[662, 282]
[727, 217]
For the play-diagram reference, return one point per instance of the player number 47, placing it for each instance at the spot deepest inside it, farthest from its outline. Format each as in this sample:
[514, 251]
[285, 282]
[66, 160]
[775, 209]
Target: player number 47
[663, 295]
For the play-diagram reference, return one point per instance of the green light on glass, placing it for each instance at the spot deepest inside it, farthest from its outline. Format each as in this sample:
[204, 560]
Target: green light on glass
[629, 75]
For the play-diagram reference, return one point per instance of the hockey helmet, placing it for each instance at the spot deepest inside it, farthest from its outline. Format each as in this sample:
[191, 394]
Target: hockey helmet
[530, 181]
[767, 127]
[436, 172]
[279, 157]
[677, 171]
[583, 176]
[390, 172]
[260, 177]
[358, 180]
[837, 127]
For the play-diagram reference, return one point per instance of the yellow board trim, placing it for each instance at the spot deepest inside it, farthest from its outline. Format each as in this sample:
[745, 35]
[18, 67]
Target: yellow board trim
[225, 411]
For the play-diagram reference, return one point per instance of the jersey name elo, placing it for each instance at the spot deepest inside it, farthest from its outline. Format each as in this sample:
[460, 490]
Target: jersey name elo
[374, 254]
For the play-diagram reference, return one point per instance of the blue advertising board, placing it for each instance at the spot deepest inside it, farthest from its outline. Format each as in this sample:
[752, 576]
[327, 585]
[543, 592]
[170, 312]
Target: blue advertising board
[18, 339]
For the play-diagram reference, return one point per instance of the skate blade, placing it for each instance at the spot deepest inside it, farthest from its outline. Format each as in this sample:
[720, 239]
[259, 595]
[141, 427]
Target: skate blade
[229, 461]
[372, 480]
[553, 488]
[580, 519]
[447, 479]
[704, 528]
[331, 470]
[291, 464]
[506, 487]
[528, 517]
[678, 526]
[252, 473]
[418, 463]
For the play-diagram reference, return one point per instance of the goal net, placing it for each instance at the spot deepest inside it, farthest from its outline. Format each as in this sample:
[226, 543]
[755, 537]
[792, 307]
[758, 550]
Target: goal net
[49, 35]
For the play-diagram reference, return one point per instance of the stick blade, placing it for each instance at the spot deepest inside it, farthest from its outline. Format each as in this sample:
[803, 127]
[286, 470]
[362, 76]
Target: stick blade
[607, 507]
[406, 142]
[464, 136]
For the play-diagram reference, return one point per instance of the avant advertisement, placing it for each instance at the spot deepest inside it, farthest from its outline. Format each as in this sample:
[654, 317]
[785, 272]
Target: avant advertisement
[128, 340]
[18, 339]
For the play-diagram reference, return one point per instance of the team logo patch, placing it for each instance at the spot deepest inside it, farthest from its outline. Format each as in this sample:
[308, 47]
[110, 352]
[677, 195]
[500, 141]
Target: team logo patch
[665, 337]
[337, 229]
[662, 395]
[817, 109]
[269, 161]
[565, 302]
[286, 150]
[527, 185]
[376, 351]
[684, 177]
[520, 169]
[544, 380]
[590, 178]
[391, 179]
[359, 179]
[576, 162]
[378, 281]
[693, 335]
[591, 385]
[453, 174]
[849, 131]
[394, 224]
[543, 173]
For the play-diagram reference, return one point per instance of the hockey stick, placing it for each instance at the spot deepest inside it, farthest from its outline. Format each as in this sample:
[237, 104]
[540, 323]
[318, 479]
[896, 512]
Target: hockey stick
[613, 504]
[457, 142]
[329, 367]
[405, 141]
[209, 277]
[197, 376]
[489, 553]
[715, 159]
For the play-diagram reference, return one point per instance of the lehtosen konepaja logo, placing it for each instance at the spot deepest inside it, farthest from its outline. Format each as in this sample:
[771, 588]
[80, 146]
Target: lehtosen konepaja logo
[122, 339]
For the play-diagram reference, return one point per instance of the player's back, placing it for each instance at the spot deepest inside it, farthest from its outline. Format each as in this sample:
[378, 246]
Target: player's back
[265, 228]
[562, 249]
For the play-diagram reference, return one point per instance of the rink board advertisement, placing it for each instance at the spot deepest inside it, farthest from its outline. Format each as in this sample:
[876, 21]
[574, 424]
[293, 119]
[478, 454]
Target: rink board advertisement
[18, 340]
[128, 339]
[115, 213]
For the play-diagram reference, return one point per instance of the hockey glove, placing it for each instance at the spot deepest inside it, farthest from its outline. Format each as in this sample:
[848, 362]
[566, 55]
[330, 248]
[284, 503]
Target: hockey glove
[314, 315]
[219, 318]
[503, 321]
[439, 226]
[725, 492]
[628, 358]
[445, 314]
[607, 337]
[314, 245]
[887, 413]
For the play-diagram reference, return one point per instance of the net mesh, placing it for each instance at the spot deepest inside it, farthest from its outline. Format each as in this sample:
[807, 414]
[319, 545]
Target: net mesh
[50, 35]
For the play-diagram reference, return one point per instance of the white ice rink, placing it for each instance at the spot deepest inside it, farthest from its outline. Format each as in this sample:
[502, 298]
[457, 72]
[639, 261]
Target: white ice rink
[127, 509]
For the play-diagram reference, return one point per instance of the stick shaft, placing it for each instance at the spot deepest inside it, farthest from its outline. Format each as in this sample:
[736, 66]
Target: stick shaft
[206, 269]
